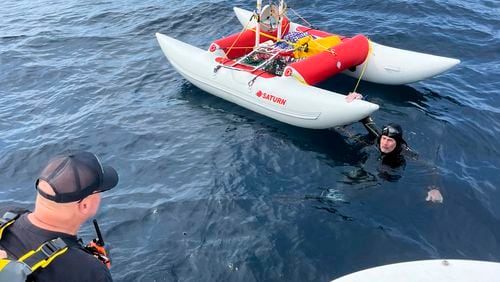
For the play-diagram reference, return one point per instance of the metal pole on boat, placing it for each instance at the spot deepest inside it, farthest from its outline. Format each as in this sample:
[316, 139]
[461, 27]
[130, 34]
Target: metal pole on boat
[280, 18]
[257, 27]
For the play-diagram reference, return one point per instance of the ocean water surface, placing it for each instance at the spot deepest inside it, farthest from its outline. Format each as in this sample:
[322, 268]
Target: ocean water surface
[210, 191]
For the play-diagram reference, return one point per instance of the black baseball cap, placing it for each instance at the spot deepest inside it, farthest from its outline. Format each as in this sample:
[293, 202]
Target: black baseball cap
[76, 175]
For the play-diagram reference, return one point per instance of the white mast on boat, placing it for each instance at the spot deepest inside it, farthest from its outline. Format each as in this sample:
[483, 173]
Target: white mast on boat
[280, 17]
[257, 27]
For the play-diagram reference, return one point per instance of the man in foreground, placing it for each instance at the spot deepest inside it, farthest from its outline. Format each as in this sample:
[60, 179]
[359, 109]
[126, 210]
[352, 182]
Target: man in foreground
[69, 190]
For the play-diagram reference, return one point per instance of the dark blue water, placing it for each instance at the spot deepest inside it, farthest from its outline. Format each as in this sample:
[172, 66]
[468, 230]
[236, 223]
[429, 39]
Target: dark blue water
[210, 191]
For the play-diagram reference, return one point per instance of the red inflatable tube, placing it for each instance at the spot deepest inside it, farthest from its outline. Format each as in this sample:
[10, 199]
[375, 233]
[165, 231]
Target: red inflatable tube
[351, 52]
[244, 39]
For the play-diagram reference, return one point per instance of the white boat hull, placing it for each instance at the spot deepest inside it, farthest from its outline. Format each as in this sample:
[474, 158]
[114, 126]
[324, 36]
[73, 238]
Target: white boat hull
[384, 65]
[282, 98]
[429, 271]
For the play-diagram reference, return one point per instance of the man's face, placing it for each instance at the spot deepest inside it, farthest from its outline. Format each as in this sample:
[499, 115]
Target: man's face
[387, 144]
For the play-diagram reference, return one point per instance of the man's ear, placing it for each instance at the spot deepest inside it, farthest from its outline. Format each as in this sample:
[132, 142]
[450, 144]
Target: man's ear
[85, 206]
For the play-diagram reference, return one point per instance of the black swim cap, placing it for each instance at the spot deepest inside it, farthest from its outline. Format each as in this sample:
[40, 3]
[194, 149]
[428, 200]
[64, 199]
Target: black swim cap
[393, 130]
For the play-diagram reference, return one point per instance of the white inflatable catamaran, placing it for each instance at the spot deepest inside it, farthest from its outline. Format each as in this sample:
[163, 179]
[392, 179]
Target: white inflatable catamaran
[270, 67]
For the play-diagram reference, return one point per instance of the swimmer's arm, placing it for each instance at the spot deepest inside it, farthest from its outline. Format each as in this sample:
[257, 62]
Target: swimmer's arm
[371, 127]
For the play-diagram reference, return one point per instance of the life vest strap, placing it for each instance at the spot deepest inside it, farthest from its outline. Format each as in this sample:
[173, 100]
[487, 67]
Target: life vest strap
[10, 270]
[45, 254]
[7, 219]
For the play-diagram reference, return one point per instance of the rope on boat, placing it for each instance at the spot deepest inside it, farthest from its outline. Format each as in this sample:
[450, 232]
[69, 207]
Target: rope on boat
[329, 49]
[294, 44]
[261, 33]
[252, 81]
[274, 38]
[297, 14]
[239, 35]
[365, 64]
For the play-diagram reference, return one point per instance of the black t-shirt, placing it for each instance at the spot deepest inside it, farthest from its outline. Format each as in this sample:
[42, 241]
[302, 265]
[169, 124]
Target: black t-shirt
[74, 265]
